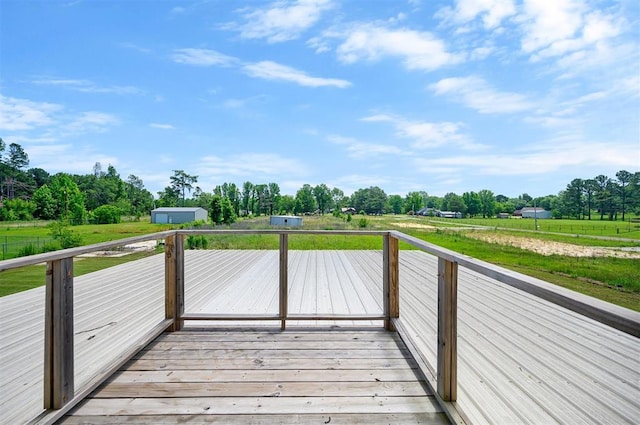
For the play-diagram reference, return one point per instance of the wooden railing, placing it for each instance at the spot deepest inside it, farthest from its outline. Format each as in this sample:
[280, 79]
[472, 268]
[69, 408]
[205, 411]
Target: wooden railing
[59, 391]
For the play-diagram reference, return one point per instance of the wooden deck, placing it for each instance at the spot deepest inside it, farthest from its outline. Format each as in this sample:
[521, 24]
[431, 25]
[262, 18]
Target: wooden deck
[521, 359]
[266, 377]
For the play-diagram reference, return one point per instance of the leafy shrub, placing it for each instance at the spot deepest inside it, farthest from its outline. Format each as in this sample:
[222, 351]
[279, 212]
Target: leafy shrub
[66, 237]
[349, 218]
[28, 249]
[197, 242]
[362, 223]
[107, 214]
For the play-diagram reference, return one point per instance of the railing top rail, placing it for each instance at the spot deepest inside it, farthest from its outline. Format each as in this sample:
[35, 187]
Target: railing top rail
[72, 252]
[618, 317]
[281, 232]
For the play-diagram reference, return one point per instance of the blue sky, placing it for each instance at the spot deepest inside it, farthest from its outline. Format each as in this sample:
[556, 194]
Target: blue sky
[442, 96]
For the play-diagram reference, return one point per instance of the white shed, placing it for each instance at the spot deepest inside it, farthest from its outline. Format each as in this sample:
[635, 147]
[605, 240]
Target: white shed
[537, 212]
[178, 215]
[286, 220]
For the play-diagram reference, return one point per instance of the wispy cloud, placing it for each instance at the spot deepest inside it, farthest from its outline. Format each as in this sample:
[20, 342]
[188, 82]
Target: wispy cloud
[91, 122]
[268, 70]
[162, 126]
[492, 12]
[361, 150]
[202, 57]
[546, 157]
[85, 86]
[282, 20]
[428, 135]
[22, 114]
[372, 42]
[476, 93]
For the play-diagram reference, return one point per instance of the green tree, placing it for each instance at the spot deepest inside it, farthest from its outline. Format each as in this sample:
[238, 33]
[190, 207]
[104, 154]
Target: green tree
[182, 182]
[454, 202]
[338, 199]
[624, 178]
[216, 209]
[371, 200]
[414, 201]
[247, 197]
[472, 201]
[228, 212]
[17, 158]
[69, 200]
[305, 201]
[574, 198]
[395, 204]
[487, 203]
[45, 203]
[169, 197]
[323, 197]
[287, 204]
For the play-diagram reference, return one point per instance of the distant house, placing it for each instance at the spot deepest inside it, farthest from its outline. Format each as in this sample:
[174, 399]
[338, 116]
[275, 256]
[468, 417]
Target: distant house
[178, 215]
[285, 220]
[426, 212]
[537, 212]
[503, 215]
[348, 210]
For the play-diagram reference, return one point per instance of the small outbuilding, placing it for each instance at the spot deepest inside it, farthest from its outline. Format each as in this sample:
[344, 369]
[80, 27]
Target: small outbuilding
[537, 212]
[286, 220]
[178, 215]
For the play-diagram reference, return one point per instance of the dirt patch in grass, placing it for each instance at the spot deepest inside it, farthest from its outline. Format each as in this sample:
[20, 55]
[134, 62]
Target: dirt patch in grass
[413, 225]
[552, 247]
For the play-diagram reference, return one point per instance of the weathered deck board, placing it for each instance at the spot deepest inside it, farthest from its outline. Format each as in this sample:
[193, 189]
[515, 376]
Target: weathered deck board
[298, 384]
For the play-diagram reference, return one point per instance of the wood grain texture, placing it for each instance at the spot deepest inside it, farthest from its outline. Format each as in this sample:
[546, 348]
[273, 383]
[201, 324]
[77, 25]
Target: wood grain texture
[267, 375]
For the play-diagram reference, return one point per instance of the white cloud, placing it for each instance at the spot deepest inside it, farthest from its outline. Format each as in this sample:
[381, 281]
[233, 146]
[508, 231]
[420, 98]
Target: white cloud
[162, 126]
[273, 71]
[493, 12]
[476, 93]
[91, 121]
[428, 135]
[418, 50]
[22, 114]
[360, 150]
[543, 158]
[85, 86]
[202, 57]
[282, 20]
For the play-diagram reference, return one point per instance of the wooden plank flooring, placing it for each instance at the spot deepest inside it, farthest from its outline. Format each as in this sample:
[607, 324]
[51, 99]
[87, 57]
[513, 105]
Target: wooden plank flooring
[264, 376]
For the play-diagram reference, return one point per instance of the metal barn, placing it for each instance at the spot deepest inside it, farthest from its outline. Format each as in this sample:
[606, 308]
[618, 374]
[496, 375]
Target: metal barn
[178, 215]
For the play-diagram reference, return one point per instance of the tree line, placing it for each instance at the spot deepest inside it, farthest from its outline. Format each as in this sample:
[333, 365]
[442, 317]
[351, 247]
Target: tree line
[102, 196]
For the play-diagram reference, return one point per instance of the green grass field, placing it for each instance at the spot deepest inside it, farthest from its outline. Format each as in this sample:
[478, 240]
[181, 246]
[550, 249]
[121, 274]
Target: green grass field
[612, 279]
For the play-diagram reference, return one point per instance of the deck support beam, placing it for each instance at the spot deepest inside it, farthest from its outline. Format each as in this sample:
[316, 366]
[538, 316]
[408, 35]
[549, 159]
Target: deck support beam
[174, 280]
[447, 329]
[58, 334]
[390, 279]
[284, 279]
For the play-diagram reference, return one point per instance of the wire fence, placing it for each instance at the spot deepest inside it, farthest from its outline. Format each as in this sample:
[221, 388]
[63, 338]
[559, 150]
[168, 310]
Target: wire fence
[14, 246]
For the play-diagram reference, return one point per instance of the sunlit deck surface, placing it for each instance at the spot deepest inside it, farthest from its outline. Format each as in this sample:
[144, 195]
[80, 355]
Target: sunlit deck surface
[577, 370]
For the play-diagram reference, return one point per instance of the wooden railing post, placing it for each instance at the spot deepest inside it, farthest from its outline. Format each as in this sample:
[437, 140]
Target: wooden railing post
[58, 334]
[390, 279]
[447, 329]
[174, 280]
[284, 279]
